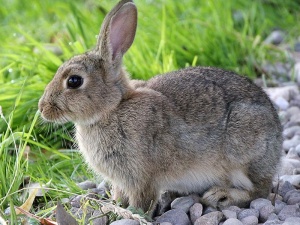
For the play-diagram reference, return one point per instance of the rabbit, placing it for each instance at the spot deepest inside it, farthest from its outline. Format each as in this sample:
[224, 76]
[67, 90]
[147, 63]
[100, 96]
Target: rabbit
[196, 130]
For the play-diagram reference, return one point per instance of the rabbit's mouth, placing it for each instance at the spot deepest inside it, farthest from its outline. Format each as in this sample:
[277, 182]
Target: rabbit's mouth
[52, 113]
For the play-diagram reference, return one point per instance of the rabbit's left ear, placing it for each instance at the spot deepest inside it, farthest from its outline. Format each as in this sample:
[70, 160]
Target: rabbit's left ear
[117, 31]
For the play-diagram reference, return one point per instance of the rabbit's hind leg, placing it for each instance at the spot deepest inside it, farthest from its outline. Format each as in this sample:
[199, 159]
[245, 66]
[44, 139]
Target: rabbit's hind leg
[239, 192]
[220, 197]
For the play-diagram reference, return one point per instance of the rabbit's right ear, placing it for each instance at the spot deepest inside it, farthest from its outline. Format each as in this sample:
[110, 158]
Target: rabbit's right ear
[117, 32]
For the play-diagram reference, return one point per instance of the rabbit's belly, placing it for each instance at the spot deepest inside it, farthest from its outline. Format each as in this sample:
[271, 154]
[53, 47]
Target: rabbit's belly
[194, 181]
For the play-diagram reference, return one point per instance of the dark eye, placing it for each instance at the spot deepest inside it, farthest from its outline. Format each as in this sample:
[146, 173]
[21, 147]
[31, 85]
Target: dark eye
[74, 81]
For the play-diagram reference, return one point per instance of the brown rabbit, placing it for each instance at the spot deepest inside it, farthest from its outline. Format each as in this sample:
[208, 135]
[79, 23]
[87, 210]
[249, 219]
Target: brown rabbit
[197, 130]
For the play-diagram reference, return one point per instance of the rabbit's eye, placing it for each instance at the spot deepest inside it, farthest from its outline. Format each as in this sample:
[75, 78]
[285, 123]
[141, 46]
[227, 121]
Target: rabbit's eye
[74, 81]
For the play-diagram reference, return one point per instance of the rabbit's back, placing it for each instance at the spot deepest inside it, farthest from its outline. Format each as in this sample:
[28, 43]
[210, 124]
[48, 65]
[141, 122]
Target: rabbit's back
[197, 89]
[225, 105]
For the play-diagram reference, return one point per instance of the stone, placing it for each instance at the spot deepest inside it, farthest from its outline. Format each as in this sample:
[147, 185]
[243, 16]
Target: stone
[196, 211]
[292, 221]
[209, 210]
[288, 166]
[229, 214]
[292, 111]
[259, 203]
[174, 216]
[297, 47]
[293, 154]
[248, 212]
[85, 185]
[282, 103]
[75, 201]
[183, 203]
[250, 220]
[289, 143]
[275, 37]
[100, 219]
[279, 205]
[213, 218]
[289, 132]
[265, 212]
[295, 118]
[232, 221]
[234, 208]
[285, 188]
[293, 179]
[273, 222]
[284, 92]
[292, 197]
[297, 72]
[289, 211]
[125, 222]
[273, 216]
[297, 150]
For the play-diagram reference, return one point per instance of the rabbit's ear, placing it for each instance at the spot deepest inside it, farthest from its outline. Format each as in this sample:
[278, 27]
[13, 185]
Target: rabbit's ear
[118, 31]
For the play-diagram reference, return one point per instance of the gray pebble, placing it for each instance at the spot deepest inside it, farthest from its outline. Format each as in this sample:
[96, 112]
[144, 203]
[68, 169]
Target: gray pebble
[273, 222]
[297, 72]
[289, 211]
[165, 223]
[289, 132]
[289, 143]
[213, 218]
[234, 208]
[85, 185]
[282, 103]
[183, 203]
[293, 179]
[232, 221]
[275, 37]
[279, 205]
[288, 166]
[292, 221]
[293, 154]
[229, 214]
[250, 220]
[297, 149]
[75, 201]
[196, 211]
[248, 212]
[292, 197]
[209, 210]
[265, 212]
[174, 216]
[297, 47]
[100, 219]
[259, 203]
[125, 222]
[285, 187]
[295, 118]
[292, 111]
[273, 216]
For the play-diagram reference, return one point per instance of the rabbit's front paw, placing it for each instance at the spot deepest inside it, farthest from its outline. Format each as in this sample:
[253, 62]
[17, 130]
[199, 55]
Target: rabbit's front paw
[217, 197]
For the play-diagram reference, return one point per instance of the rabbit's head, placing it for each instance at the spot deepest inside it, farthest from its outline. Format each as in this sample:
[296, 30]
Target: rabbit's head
[88, 86]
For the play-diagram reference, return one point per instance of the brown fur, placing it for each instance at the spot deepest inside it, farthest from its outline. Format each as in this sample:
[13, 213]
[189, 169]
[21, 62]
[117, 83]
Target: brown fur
[196, 130]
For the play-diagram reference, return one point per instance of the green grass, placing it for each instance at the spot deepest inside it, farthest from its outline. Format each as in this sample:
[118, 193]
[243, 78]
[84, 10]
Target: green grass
[37, 37]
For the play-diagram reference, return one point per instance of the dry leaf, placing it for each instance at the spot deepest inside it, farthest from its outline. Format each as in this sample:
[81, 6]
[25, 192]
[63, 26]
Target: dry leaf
[28, 203]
